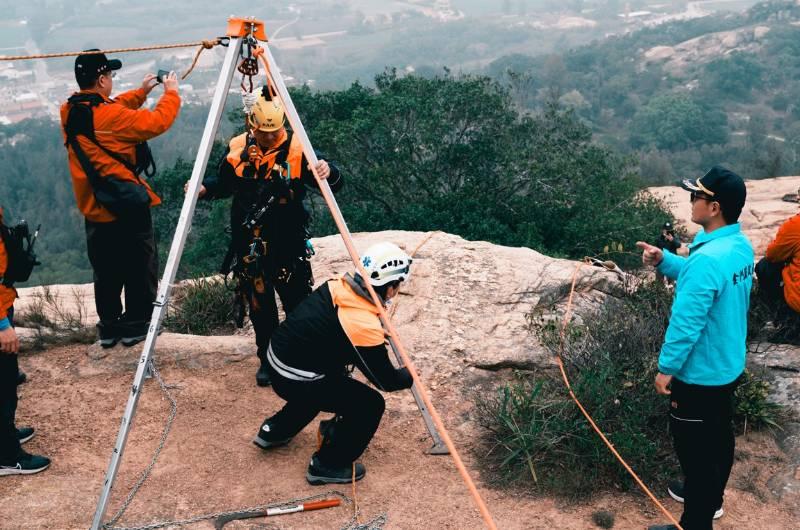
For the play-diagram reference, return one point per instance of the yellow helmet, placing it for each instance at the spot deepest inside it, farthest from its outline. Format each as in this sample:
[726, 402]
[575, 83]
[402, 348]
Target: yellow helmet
[266, 115]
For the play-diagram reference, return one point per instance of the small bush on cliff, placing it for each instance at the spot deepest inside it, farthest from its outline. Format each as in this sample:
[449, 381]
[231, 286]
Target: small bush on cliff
[537, 437]
[201, 307]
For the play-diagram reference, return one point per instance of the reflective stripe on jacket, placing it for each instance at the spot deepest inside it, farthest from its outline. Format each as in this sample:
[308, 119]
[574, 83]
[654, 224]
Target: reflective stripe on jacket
[705, 340]
[119, 125]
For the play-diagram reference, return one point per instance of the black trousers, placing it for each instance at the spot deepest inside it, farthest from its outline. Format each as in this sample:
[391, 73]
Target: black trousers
[701, 421]
[9, 370]
[123, 257]
[264, 311]
[359, 409]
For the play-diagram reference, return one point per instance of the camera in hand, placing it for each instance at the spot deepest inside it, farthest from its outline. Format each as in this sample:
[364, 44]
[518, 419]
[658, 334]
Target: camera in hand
[161, 75]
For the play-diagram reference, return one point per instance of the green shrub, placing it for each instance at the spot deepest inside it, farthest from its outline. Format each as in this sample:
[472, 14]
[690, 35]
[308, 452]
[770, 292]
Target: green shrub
[201, 307]
[753, 409]
[537, 437]
[603, 519]
[54, 324]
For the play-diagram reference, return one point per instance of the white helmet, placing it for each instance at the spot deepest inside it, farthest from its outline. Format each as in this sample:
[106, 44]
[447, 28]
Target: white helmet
[386, 262]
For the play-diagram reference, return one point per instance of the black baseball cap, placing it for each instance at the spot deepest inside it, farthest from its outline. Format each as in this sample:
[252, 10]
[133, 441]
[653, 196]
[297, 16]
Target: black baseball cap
[90, 66]
[723, 186]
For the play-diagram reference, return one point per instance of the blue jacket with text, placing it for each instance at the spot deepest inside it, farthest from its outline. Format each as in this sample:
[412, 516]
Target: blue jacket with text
[705, 340]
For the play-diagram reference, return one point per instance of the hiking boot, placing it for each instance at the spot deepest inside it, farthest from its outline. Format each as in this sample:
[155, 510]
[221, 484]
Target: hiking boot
[262, 376]
[24, 434]
[663, 527]
[108, 334]
[24, 464]
[133, 332]
[22, 377]
[675, 490]
[265, 439]
[318, 473]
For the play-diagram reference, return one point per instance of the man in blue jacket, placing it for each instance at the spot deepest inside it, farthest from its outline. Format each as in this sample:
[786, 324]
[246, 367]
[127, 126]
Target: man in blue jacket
[703, 354]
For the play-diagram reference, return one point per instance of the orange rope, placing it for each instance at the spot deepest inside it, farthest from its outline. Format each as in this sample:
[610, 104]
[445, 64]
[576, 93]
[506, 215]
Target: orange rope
[355, 497]
[560, 362]
[393, 310]
[204, 44]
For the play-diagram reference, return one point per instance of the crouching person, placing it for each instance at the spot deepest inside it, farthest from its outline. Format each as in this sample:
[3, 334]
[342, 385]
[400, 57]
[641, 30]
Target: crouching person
[335, 328]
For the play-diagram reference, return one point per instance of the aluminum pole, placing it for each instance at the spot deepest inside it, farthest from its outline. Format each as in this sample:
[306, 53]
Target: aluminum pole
[165, 288]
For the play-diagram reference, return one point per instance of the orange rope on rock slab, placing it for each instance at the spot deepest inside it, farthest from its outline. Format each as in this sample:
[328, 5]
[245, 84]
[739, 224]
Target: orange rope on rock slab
[560, 363]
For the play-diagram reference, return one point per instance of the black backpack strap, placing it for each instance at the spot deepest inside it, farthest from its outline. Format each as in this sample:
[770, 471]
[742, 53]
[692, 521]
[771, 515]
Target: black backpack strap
[80, 121]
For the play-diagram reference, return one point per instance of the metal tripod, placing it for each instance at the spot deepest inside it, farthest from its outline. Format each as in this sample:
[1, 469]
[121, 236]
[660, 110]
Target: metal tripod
[233, 54]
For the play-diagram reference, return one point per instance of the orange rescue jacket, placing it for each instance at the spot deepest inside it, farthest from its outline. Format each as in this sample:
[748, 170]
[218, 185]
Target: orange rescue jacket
[786, 248]
[7, 294]
[119, 125]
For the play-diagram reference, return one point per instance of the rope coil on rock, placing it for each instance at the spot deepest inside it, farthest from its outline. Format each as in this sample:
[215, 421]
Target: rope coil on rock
[560, 363]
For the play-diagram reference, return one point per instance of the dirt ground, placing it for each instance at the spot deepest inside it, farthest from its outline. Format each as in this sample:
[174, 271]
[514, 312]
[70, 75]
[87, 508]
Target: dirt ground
[209, 463]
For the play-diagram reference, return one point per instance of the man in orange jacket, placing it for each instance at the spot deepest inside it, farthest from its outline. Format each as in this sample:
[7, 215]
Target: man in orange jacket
[106, 144]
[13, 460]
[779, 271]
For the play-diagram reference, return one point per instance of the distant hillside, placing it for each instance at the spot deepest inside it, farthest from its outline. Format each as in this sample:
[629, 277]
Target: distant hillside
[683, 95]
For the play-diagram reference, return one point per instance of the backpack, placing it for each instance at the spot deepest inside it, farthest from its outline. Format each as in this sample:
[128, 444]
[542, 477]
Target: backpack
[19, 248]
[122, 198]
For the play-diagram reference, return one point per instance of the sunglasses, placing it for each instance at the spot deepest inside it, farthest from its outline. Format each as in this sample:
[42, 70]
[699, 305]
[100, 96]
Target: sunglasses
[695, 196]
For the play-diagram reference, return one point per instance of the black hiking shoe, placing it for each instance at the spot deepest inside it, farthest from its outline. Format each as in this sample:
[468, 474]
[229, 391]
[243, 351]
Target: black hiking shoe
[318, 473]
[663, 527]
[675, 490]
[24, 464]
[265, 439]
[108, 334]
[24, 434]
[132, 333]
[22, 377]
[262, 376]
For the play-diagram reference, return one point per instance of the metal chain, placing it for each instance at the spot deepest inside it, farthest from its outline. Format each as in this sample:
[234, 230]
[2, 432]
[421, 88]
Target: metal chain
[375, 524]
[146, 473]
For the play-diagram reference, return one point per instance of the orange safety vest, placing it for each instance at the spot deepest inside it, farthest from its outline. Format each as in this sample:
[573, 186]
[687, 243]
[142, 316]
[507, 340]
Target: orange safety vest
[357, 315]
[258, 158]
